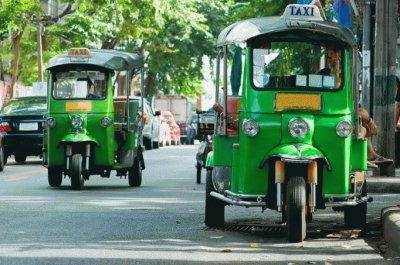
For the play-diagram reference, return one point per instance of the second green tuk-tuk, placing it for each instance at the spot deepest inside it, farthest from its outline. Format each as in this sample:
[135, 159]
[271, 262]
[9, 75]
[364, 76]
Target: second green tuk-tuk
[290, 141]
[90, 131]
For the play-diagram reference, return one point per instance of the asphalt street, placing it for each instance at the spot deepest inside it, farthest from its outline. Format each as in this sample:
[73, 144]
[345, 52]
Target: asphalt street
[162, 222]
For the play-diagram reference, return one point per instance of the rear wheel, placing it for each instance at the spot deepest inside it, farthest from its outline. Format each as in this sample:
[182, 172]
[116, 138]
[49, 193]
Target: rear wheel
[215, 209]
[135, 173]
[77, 180]
[198, 173]
[148, 145]
[296, 202]
[20, 158]
[156, 145]
[54, 177]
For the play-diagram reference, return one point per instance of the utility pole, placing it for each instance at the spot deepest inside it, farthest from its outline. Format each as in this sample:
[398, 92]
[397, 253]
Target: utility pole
[39, 51]
[366, 55]
[385, 75]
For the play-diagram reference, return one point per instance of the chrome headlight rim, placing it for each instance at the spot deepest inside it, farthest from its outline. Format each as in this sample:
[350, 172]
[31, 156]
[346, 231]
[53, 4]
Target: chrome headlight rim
[105, 122]
[51, 122]
[344, 128]
[298, 127]
[250, 127]
[76, 121]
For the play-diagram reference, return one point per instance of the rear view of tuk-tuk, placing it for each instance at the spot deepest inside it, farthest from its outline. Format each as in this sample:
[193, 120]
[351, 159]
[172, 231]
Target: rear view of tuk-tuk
[291, 140]
[88, 132]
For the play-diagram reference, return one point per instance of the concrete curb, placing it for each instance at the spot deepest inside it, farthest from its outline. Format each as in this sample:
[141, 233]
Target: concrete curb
[390, 219]
[381, 184]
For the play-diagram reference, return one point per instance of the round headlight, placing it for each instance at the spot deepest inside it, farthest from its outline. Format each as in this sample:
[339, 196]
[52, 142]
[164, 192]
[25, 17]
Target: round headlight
[76, 122]
[51, 122]
[298, 128]
[250, 127]
[106, 121]
[344, 128]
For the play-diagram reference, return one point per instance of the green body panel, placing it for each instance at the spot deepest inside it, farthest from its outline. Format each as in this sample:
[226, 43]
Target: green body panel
[342, 155]
[94, 132]
[359, 159]
[223, 150]
[210, 159]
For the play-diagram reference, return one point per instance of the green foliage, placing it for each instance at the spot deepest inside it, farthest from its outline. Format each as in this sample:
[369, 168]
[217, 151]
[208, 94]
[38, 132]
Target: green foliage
[175, 33]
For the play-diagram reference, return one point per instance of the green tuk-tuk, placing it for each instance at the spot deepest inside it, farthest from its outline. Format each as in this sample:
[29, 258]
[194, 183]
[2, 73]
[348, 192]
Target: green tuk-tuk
[290, 140]
[89, 131]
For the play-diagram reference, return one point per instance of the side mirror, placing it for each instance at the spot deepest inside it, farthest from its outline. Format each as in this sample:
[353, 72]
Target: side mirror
[157, 113]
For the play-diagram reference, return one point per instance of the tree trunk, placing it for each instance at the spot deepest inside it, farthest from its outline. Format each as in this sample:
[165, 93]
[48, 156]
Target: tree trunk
[16, 39]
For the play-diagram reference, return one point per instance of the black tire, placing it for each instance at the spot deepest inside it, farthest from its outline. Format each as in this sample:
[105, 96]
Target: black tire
[214, 208]
[20, 158]
[2, 158]
[198, 173]
[77, 180]
[156, 145]
[148, 145]
[296, 202]
[135, 173]
[54, 177]
[356, 216]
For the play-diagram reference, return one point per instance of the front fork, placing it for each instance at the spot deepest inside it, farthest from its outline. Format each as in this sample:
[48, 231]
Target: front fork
[68, 156]
[312, 180]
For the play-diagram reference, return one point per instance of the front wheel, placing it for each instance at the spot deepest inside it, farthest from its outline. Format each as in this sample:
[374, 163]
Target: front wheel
[54, 177]
[135, 173]
[215, 209]
[296, 202]
[77, 180]
[198, 173]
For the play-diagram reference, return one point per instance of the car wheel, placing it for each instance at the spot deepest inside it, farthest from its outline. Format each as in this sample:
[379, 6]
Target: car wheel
[20, 158]
[77, 180]
[2, 163]
[54, 176]
[135, 173]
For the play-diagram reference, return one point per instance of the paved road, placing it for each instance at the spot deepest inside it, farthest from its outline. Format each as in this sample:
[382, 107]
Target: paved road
[161, 222]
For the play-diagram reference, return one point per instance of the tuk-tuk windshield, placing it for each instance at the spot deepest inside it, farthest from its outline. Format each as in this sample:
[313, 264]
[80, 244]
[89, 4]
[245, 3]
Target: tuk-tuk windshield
[80, 85]
[297, 66]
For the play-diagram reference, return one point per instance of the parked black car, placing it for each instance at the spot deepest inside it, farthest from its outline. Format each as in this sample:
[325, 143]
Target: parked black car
[21, 124]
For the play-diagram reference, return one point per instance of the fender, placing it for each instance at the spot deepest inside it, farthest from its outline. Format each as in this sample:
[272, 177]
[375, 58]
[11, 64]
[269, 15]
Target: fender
[299, 152]
[210, 160]
[77, 138]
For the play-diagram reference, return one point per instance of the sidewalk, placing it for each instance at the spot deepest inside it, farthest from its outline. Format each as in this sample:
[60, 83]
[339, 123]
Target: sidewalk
[390, 216]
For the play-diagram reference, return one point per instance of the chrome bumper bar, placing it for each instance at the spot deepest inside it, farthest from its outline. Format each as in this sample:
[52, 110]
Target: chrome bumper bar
[349, 203]
[238, 199]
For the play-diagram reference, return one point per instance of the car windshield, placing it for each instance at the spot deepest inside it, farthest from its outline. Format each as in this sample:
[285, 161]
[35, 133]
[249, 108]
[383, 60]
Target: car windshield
[296, 65]
[80, 85]
[25, 106]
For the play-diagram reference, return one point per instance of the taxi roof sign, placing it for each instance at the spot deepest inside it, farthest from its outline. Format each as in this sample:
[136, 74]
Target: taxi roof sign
[79, 52]
[302, 12]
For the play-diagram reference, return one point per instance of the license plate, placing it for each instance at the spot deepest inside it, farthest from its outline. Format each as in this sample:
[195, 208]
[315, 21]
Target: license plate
[28, 126]
[288, 101]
